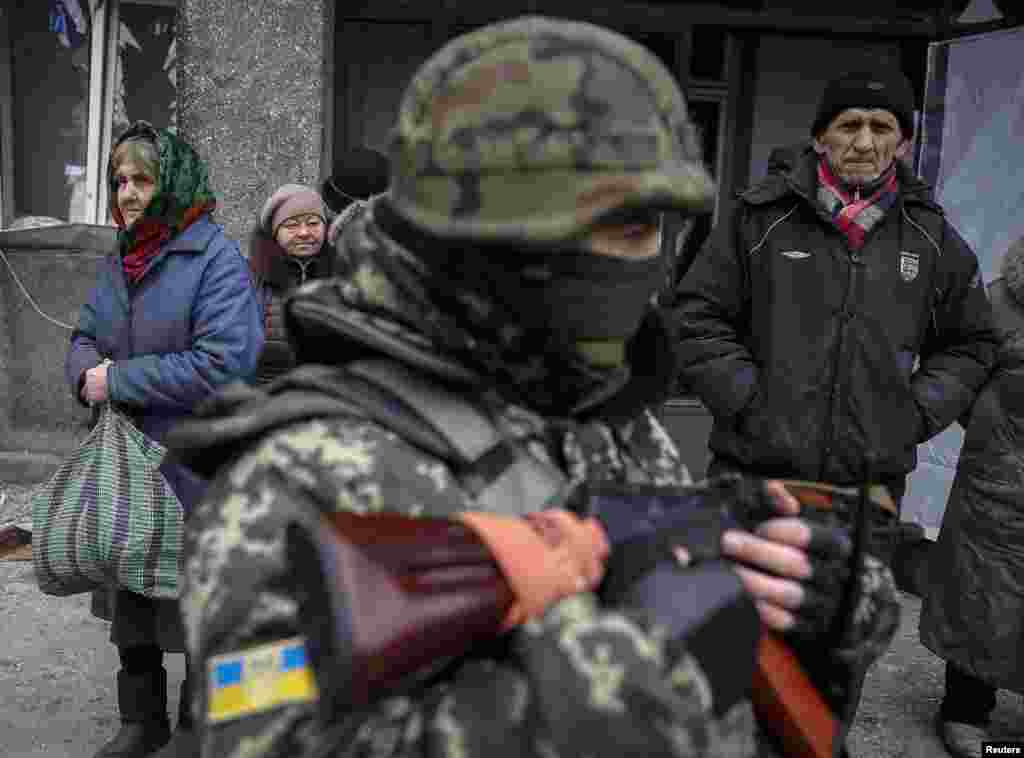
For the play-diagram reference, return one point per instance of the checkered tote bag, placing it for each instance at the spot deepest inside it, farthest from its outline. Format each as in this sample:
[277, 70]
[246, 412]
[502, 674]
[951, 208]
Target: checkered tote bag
[108, 516]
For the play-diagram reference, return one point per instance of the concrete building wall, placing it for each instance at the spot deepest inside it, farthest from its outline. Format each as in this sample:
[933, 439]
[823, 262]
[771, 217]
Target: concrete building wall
[48, 274]
[250, 97]
[6, 353]
[58, 281]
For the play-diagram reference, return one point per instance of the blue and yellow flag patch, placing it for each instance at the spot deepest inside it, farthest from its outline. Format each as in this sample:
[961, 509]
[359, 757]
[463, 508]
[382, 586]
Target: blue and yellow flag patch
[258, 679]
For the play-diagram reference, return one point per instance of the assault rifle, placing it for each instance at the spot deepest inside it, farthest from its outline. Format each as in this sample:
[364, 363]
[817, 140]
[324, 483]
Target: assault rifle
[408, 596]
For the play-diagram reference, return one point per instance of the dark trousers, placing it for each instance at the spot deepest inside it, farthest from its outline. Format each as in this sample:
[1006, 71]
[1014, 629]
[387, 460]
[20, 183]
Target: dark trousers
[968, 700]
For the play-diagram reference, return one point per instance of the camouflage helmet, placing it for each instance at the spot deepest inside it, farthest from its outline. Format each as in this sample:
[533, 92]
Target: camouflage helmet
[535, 129]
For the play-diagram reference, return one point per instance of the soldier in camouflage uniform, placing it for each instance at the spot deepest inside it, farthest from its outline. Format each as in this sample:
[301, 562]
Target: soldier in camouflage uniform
[529, 161]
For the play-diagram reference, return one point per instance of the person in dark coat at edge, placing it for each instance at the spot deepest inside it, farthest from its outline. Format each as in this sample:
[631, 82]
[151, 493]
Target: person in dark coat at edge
[972, 613]
[175, 314]
[837, 319]
[288, 248]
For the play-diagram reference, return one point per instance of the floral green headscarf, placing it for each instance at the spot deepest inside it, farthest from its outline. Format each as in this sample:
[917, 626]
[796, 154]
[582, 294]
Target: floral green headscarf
[182, 195]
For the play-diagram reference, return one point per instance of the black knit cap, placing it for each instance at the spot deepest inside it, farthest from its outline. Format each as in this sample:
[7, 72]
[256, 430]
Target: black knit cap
[360, 173]
[888, 89]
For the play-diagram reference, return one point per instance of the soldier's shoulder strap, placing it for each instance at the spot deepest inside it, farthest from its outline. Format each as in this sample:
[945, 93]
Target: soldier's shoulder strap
[495, 470]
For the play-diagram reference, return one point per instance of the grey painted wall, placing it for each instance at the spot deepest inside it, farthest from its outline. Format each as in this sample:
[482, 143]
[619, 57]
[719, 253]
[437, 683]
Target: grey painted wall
[250, 101]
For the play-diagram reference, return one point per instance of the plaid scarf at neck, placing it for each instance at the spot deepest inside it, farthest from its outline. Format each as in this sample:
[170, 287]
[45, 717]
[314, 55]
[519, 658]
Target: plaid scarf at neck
[854, 215]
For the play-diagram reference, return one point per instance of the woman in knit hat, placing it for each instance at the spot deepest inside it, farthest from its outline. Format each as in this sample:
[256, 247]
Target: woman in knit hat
[289, 247]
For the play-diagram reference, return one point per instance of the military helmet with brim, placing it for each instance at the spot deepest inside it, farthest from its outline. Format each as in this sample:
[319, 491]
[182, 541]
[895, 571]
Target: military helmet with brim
[536, 129]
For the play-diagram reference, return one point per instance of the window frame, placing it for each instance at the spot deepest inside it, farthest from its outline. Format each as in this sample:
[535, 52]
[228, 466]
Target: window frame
[6, 124]
[102, 30]
[105, 20]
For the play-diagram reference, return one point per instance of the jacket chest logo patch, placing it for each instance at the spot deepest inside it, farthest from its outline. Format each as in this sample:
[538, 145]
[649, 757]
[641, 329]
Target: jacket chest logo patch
[795, 255]
[910, 264]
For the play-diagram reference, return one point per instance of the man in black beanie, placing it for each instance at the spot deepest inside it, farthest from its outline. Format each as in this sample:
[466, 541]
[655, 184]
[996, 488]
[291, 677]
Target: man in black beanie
[358, 175]
[837, 320]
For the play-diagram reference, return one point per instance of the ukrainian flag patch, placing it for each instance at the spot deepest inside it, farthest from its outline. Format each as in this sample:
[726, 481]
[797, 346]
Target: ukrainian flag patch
[258, 679]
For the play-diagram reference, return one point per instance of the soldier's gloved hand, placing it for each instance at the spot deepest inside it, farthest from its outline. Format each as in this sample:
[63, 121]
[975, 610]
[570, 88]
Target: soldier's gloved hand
[794, 567]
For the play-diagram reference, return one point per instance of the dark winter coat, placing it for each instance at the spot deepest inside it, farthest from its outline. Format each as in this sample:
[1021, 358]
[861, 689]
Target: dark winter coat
[276, 274]
[190, 325]
[973, 609]
[812, 356]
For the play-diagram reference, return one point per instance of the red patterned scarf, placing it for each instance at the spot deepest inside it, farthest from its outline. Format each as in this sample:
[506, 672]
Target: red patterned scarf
[182, 195]
[149, 235]
[854, 215]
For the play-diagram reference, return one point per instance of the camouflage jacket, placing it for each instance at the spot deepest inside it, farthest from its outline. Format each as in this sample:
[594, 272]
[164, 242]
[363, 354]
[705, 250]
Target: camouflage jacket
[583, 679]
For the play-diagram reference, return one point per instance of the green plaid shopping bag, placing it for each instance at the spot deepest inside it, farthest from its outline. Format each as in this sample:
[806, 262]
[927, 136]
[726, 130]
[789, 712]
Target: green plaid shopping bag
[108, 516]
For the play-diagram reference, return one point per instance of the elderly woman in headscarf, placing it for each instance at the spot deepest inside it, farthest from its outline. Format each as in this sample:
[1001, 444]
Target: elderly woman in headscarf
[173, 316]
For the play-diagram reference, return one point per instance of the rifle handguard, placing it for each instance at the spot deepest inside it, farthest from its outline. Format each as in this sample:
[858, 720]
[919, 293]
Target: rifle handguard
[406, 595]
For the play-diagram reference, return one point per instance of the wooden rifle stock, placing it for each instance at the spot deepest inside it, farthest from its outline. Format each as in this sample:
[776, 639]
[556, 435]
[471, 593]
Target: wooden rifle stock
[788, 705]
[407, 591]
[405, 594]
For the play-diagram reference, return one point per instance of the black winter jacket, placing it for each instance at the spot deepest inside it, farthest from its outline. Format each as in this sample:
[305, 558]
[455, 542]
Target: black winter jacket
[812, 357]
[276, 274]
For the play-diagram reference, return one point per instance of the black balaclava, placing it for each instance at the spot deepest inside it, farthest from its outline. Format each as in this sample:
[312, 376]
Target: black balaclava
[553, 324]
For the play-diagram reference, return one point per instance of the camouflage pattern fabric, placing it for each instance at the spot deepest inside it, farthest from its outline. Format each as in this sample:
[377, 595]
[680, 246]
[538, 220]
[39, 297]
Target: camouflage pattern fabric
[581, 678]
[581, 671]
[533, 131]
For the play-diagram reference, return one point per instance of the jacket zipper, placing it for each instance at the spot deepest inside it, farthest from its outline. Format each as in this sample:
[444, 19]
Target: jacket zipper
[855, 262]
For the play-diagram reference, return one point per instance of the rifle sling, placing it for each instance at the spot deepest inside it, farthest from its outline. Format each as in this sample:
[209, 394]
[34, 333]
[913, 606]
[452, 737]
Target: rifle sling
[494, 469]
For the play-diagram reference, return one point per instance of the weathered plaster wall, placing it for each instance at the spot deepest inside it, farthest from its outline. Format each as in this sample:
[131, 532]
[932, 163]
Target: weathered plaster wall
[250, 97]
[6, 356]
[58, 281]
[56, 268]
[40, 422]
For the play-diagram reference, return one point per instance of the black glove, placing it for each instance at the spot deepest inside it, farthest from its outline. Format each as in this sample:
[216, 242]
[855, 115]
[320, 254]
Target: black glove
[829, 552]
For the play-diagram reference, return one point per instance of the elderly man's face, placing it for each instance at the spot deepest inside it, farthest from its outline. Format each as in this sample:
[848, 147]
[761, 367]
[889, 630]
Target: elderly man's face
[861, 144]
[302, 236]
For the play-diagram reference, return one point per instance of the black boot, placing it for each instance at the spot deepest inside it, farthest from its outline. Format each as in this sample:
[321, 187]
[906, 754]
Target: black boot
[185, 704]
[184, 742]
[142, 700]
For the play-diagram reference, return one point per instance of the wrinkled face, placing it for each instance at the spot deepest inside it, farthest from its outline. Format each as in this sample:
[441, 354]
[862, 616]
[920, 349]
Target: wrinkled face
[301, 236]
[135, 189]
[861, 144]
[636, 237]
